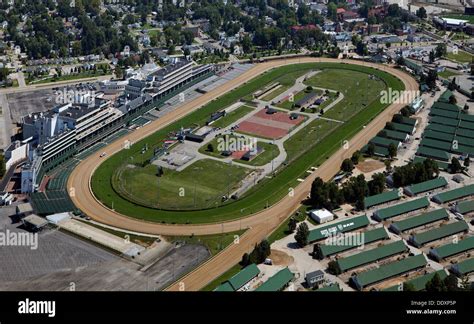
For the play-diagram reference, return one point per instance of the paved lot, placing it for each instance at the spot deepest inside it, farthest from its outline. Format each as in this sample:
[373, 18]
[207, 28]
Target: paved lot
[24, 103]
[62, 259]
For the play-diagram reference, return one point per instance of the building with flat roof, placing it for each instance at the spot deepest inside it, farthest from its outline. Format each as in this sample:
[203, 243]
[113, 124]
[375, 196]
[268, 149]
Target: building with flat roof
[321, 216]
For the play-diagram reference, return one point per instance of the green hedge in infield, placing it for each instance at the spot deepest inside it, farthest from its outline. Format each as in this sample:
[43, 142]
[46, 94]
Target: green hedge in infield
[266, 192]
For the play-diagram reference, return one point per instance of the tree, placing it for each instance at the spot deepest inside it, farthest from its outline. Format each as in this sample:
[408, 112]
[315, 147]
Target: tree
[377, 184]
[260, 252]
[302, 234]
[441, 50]
[435, 284]
[210, 147]
[421, 13]
[355, 158]
[467, 162]
[432, 56]
[388, 165]
[159, 171]
[466, 107]
[292, 223]
[451, 283]
[347, 165]
[400, 61]
[370, 149]
[453, 100]
[455, 166]
[333, 268]
[408, 286]
[392, 150]
[245, 260]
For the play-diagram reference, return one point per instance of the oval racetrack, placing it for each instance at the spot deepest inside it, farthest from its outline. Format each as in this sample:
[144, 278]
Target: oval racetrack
[259, 225]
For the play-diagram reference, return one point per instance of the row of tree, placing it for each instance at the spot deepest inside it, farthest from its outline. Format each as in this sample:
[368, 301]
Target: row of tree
[415, 173]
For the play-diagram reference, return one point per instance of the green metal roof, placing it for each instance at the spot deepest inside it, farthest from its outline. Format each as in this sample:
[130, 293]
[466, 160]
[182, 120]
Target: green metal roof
[278, 281]
[464, 207]
[454, 194]
[422, 238]
[434, 144]
[465, 133]
[378, 150]
[466, 117]
[419, 283]
[339, 227]
[394, 135]
[370, 256]
[441, 165]
[464, 141]
[389, 270]
[420, 220]
[384, 142]
[438, 135]
[426, 186]
[445, 96]
[433, 153]
[441, 128]
[406, 120]
[403, 128]
[444, 113]
[244, 276]
[332, 287]
[466, 125]
[226, 286]
[445, 106]
[465, 267]
[381, 198]
[367, 237]
[448, 250]
[444, 121]
[463, 149]
[406, 207]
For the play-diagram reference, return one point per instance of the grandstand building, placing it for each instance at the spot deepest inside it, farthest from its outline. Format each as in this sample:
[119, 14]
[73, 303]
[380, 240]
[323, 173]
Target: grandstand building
[72, 127]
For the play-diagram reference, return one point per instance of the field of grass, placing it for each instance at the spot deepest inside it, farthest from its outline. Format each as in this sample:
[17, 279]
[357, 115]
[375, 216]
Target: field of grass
[266, 192]
[200, 185]
[357, 88]
[276, 92]
[215, 243]
[448, 73]
[270, 151]
[310, 135]
[461, 57]
[232, 117]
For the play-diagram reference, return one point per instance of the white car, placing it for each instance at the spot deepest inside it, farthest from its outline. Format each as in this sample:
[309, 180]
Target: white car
[103, 154]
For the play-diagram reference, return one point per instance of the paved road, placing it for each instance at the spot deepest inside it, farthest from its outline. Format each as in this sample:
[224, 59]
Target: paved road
[260, 224]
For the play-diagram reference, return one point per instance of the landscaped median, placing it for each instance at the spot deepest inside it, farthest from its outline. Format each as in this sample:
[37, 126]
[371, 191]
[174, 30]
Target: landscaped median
[263, 194]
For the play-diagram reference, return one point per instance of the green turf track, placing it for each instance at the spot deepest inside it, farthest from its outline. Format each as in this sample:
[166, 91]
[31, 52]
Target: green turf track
[266, 192]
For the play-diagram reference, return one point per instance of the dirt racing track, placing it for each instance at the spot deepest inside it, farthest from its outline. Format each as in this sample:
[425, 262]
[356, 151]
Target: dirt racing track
[259, 225]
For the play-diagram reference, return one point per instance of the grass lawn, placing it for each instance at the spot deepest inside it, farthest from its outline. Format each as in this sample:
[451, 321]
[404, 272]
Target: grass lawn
[200, 185]
[270, 151]
[275, 92]
[448, 73]
[232, 117]
[215, 243]
[282, 230]
[268, 191]
[308, 136]
[356, 86]
[461, 57]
